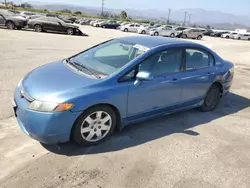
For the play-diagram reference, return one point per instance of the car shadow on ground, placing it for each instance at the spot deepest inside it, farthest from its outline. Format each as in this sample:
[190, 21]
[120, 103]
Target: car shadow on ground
[48, 32]
[137, 134]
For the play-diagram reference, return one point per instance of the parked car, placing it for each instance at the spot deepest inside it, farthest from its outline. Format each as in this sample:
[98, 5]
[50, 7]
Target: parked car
[88, 96]
[110, 25]
[167, 31]
[208, 32]
[53, 24]
[130, 27]
[12, 20]
[98, 23]
[239, 36]
[228, 35]
[218, 34]
[192, 33]
[144, 29]
[27, 15]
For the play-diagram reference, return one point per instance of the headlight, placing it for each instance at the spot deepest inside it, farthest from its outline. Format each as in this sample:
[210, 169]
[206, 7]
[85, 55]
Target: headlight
[49, 106]
[20, 83]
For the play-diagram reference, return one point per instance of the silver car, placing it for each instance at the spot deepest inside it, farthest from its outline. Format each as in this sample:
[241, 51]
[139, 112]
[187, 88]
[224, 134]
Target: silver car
[167, 31]
[192, 33]
[11, 20]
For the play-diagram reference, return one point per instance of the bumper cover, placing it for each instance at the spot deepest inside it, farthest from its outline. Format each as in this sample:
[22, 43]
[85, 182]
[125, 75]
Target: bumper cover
[48, 128]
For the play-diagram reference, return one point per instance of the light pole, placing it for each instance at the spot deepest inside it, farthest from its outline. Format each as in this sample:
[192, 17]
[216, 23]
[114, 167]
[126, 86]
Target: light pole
[102, 6]
[189, 19]
[169, 12]
[184, 23]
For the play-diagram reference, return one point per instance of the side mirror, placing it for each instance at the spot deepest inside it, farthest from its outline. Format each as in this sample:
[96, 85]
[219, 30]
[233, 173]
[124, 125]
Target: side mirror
[143, 76]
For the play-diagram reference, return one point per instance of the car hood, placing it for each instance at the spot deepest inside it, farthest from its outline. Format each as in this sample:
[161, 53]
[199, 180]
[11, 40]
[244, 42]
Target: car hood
[54, 78]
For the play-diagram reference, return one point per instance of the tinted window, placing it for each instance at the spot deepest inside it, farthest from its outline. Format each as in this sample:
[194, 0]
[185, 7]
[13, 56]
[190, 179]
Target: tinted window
[165, 62]
[196, 59]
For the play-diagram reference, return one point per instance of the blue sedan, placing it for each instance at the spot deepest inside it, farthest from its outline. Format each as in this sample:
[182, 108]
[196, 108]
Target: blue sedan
[121, 81]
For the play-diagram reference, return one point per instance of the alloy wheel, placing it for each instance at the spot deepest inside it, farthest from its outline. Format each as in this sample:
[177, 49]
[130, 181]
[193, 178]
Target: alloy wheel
[10, 25]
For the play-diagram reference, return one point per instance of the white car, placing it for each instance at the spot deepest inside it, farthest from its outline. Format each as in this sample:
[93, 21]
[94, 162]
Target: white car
[239, 36]
[130, 27]
[167, 31]
[144, 29]
[228, 35]
[98, 23]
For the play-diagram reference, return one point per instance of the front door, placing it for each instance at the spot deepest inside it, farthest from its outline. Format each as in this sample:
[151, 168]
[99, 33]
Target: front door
[161, 93]
[198, 76]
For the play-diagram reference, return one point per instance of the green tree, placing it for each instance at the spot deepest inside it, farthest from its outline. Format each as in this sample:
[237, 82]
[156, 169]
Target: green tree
[123, 15]
[66, 11]
[208, 27]
[78, 12]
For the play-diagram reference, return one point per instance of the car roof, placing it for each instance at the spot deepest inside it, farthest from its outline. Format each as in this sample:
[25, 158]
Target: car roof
[151, 42]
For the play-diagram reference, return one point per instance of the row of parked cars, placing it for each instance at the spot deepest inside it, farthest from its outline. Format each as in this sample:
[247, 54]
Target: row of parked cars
[153, 30]
[229, 34]
[38, 22]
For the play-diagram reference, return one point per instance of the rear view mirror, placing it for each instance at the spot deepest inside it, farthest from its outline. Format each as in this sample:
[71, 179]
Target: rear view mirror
[124, 47]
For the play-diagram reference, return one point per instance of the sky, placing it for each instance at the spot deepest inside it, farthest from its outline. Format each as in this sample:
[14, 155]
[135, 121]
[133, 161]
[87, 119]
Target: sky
[229, 6]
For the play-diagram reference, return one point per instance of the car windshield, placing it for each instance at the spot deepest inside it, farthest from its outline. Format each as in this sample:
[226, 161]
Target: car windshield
[7, 12]
[108, 57]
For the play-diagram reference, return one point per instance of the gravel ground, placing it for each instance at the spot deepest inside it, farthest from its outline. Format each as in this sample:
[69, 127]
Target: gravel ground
[184, 150]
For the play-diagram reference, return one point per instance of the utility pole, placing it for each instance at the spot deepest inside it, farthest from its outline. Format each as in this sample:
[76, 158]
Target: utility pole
[169, 12]
[189, 19]
[5, 3]
[184, 23]
[103, 2]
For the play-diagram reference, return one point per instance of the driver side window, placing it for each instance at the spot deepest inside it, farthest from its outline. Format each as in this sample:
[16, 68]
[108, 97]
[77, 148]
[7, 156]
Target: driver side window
[162, 63]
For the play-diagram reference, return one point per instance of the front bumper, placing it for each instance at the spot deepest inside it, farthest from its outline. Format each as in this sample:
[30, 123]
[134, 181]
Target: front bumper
[48, 128]
[21, 24]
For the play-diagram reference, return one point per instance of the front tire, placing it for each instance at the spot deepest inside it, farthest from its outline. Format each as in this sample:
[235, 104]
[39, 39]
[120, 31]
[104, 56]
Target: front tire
[143, 32]
[184, 36]
[199, 37]
[212, 99]
[172, 35]
[94, 126]
[70, 31]
[125, 30]
[10, 25]
[156, 34]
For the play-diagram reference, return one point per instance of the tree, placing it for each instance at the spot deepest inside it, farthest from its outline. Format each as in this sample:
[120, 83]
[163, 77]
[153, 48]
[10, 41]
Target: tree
[78, 12]
[123, 15]
[26, 5]
[194, 25]
[208, 27]
[66, 11]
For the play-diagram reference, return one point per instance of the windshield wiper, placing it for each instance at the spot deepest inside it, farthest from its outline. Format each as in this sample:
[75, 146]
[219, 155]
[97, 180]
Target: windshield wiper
[80, 66]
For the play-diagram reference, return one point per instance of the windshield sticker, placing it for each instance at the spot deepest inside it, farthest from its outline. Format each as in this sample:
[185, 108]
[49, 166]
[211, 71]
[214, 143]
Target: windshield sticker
[140, 47]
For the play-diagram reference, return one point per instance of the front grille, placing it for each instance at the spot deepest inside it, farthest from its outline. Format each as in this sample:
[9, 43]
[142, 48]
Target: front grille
[26, 96]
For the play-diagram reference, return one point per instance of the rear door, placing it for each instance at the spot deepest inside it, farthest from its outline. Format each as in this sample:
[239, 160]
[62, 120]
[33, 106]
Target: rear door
[198, 75]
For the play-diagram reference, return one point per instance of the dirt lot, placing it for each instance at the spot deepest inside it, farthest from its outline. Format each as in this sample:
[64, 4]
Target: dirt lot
[185, 150]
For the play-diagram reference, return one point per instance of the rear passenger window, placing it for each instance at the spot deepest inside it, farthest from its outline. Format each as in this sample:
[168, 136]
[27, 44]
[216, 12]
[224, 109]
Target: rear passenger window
[196, 59]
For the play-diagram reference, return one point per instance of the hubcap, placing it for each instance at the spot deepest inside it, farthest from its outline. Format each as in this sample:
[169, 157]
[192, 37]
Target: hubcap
[38, 28]
[10, 25]
[96, 126]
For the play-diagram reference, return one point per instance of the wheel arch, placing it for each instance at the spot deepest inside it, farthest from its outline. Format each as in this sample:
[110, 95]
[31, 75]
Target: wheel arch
[117, 112]
[219, 84]
[10, 21]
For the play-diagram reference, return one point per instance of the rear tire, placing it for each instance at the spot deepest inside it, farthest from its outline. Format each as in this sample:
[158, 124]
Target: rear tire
[143, 32]
[89, 126]
[227, 37]
[125, 30]
[10, 25]
[38, 28]
[172, 35]
[212, 99]
[199, 37]
[239, 38]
